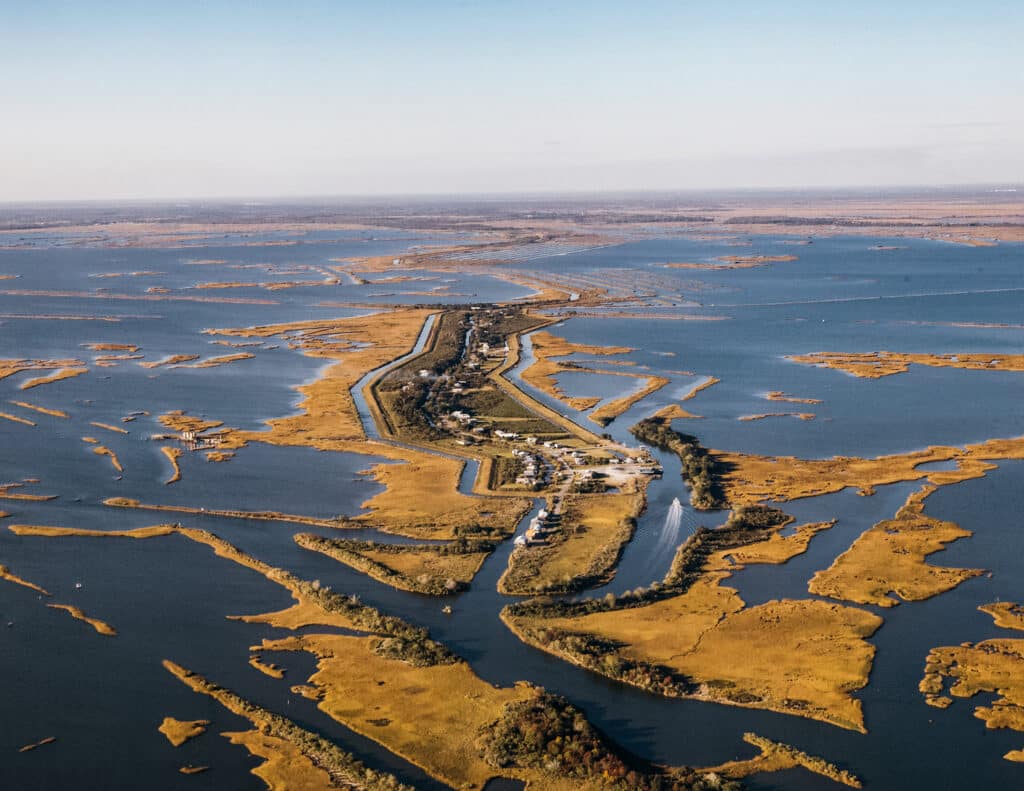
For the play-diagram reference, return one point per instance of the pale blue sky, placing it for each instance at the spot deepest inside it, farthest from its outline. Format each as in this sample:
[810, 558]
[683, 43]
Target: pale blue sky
[189, 99]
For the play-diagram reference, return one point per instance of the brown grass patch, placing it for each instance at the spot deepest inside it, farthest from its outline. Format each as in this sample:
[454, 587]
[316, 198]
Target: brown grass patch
[294, 758]
[542, 372]
[103, 450]
[112, 347]
[754, 478]
[435, 569]
[428, 715]
[173, 454]
[174, 359]
[890, 559]
[7, 494]
[271, 516]
[803, 658]
[53, 532]
[29, 747]
[709, 382]
[675, 412]
[763, 415]
[266, 668]
[41, 409]
[777, 757]
[10, 367]
[108, 427]
[1006, 615]
[225, 284]
[284, 765]
[584, 550]
[63, 373]
[778, 395]
[606, 413]
[180, 731]
[991, 666]
[874, 365]
[734, 262]
[7, 574]
[16, 419]
[102, 627]
[179, 421]
[213, 362]
[778, 548]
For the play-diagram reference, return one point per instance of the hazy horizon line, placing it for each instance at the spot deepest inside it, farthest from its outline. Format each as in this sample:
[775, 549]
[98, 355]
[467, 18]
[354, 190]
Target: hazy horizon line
[270, 199]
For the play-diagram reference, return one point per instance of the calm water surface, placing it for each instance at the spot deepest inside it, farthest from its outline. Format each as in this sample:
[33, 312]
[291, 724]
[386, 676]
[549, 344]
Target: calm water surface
[103, 697]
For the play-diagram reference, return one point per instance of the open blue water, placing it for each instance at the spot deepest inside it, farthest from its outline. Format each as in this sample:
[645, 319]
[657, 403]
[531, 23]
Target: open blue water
[103, 697]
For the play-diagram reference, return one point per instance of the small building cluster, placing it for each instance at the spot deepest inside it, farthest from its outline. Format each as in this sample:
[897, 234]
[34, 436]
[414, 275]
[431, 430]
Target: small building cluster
[542, 526]
[193, 441]
[534, 471]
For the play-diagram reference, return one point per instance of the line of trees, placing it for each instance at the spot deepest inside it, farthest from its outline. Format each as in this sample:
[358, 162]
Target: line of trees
[546, 732]
[701, 471]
